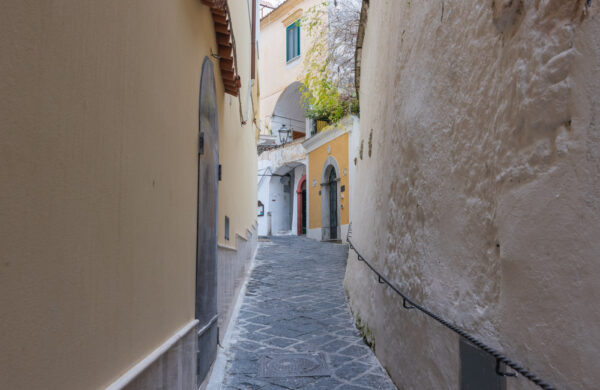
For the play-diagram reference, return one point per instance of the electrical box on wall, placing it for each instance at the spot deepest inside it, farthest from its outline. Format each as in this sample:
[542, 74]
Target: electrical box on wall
[478, 369]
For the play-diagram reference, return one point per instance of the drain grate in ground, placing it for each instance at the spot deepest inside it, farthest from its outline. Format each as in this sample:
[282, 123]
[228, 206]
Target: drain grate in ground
[294, 364]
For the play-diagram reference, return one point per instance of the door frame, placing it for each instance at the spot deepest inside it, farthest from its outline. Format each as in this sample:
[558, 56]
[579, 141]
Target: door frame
[330, 164]
[333, 205]
[299, 203]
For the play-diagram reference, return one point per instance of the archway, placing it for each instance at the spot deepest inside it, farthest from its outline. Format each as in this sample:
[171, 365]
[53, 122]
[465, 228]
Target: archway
[290, 112]
[206, 241]
[330, 200]
[301, 205]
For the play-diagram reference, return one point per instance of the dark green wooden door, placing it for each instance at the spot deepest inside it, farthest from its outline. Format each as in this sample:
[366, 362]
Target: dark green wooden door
[304, 208]
[333, 215]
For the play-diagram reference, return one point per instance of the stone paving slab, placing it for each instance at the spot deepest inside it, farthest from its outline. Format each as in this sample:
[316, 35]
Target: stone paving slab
[295, 304]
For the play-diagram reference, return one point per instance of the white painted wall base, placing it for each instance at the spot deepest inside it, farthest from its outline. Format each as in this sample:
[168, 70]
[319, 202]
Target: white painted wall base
[344, 229]
[315, 234]
[173, 364]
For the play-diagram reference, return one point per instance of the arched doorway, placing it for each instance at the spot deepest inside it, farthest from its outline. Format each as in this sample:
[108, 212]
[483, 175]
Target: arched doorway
[206, 241]
[333, 213]
[330, 210]
[301, 196]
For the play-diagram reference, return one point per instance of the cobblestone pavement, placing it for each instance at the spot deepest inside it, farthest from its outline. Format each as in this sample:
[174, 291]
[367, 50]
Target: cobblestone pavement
[294, 329]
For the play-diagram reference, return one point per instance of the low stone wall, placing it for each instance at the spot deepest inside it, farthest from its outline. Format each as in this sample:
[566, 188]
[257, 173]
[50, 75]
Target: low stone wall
[171, 366]
[232, 266]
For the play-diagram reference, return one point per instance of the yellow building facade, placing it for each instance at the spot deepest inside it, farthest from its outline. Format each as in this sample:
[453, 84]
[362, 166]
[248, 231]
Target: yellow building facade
[329, 180]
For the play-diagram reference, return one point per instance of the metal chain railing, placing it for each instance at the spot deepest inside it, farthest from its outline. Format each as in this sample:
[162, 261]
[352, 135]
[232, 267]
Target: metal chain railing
[408, 303]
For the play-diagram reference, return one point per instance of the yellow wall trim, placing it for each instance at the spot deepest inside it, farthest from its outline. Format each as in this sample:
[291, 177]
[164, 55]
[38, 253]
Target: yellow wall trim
[292, 18]
[279, 12]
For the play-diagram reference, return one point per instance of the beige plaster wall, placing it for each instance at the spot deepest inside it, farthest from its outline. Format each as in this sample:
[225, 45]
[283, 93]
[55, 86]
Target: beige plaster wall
[237, 138]
[98, 168]
[275, 73]
[481, 195]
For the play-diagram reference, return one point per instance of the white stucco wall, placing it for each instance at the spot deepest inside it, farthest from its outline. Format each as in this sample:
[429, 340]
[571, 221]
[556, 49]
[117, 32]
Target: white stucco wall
[264, 169]
[481, 196]
[279, 207]
[315, 234]
[279, 161]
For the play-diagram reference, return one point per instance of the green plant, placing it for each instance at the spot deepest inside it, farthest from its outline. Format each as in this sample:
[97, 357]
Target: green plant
[328, 80]
[365, 331]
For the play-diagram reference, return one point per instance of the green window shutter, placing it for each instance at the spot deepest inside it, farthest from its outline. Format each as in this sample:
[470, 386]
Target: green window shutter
[289, 42]
[298, 35]
[292, 41]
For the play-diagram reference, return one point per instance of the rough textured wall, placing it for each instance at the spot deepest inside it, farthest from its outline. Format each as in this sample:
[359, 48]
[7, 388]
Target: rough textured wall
[98, 170]
[481, 195]
[280, 156]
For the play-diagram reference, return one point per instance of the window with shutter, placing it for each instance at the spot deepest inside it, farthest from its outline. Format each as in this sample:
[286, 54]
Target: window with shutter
[292, 41]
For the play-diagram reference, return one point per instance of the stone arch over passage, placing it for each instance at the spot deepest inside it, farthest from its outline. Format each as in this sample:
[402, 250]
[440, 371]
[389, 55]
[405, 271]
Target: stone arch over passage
[330, 200]
[289, 110]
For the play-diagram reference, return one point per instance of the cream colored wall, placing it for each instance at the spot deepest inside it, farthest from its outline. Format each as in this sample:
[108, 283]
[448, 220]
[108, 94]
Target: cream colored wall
[275, 73]
[481, 197]
[98, 151]
[237, 141]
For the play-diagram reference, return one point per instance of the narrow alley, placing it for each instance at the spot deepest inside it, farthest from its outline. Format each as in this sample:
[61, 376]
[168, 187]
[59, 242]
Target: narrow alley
[294, 329]
[300, 194]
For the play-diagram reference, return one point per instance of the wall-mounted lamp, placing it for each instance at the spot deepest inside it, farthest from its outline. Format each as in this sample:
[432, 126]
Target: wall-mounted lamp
[284, 134]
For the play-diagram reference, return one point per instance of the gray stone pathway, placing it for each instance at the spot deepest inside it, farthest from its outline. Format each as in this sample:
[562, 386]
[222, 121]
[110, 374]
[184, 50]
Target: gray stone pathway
[294, 329]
